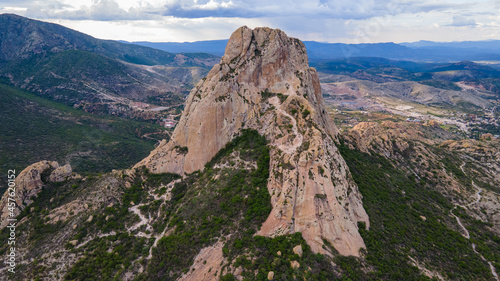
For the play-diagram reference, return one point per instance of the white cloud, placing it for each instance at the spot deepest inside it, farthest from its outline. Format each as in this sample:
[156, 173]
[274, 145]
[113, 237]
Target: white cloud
[164, 30]
[462, 21]
[101, 10]
[315, 9]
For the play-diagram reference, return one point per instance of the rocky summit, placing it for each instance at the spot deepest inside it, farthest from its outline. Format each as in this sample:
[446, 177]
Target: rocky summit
[264, 82]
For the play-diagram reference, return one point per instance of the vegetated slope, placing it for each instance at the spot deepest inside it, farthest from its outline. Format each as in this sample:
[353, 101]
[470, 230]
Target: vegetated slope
[170, 228]
[35, 129]
[409, 226]
[73, 68]
[293, 182]
[429, 93]
[385, 70]
[352, 65]
[79, 77]
[413, 187]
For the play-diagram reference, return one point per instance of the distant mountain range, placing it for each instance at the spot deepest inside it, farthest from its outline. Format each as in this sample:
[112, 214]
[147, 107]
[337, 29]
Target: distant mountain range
[424, 51]
[214, 47]
[492, 45]
[420, 70]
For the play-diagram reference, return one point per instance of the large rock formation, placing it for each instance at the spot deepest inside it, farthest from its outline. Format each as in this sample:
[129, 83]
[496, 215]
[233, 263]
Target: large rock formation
[28, 184]
[264, 82]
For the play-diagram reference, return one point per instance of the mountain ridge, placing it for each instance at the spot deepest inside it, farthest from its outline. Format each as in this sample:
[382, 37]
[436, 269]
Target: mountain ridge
[23, 37]
[320, 51]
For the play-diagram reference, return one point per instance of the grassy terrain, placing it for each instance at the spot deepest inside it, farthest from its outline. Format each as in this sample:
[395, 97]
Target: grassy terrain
[201, 210]
[35, 129]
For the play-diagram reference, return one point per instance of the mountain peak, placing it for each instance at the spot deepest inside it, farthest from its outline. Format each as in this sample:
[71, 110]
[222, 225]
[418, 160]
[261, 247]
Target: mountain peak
[258, 61]
[263, 82]
[245, 42]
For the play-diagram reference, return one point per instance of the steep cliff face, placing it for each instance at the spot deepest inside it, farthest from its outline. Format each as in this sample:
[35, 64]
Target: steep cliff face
[264, 82]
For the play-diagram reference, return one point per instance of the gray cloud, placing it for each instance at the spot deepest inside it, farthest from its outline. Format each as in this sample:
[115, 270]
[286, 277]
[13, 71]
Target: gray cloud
[429, 6]
[344, 9]
[339, 9]
[109, 10]
[224, 9]
[321, 20]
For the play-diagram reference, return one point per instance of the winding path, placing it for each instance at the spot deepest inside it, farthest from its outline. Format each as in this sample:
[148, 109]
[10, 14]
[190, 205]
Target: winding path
[297, 141]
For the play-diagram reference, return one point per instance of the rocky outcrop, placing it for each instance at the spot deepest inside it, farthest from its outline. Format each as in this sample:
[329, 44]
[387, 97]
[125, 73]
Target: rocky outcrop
[264, 82]
[207, 264]
[298, 250]
[61, 173]
[28, 184]
[385, 137]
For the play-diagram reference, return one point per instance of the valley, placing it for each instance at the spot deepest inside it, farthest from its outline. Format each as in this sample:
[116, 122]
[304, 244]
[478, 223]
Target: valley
[462, 105]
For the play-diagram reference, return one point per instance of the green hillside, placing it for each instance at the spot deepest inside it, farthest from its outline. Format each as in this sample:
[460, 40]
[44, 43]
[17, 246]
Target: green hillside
[35, 129]
[22, 37]
[65, 76]
[70, 67]
[409, 220]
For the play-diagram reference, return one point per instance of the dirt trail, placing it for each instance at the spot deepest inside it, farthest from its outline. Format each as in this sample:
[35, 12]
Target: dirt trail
[143, 220]
[100, 236]
[467, 235]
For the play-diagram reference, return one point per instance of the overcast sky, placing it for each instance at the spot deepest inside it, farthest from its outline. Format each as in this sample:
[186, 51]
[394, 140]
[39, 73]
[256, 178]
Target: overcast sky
[348, 21]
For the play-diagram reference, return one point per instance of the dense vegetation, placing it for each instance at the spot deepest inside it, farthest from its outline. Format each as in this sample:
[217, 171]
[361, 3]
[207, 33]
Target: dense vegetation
[108, 257]
[202, 209]
[408, 218]
[41, 230]
[259, 255]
